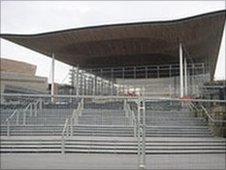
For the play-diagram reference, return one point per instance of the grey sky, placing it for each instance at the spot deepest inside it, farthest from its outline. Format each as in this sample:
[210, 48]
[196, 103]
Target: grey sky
[43, 16]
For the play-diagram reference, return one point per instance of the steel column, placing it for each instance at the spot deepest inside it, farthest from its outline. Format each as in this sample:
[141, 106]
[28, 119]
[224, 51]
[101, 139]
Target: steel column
[181, 70]
[77, 81]
[185, 77]
[94, 85]
[52, 77]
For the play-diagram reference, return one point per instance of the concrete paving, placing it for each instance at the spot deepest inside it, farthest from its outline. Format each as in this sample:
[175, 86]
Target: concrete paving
[112, 161]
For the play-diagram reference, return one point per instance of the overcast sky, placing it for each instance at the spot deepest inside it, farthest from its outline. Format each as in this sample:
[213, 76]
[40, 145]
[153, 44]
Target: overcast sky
[43, 16]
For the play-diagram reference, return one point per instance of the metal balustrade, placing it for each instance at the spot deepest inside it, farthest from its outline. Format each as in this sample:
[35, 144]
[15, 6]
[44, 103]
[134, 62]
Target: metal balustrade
[202, 109]
[32, 108]
[130, 119]
[64, 132]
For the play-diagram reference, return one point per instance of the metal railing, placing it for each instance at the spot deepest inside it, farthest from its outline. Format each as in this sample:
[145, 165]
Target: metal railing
[31, 107]
[70, 123]
[136, 115]
[129, 113]
[15, 112]
[64, 132]
[201, 108]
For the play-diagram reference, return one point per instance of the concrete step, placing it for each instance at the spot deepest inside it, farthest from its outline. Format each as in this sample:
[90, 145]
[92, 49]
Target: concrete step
[123, 146]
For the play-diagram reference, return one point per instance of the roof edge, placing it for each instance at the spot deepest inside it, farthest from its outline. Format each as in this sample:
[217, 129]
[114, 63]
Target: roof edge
[120, 24]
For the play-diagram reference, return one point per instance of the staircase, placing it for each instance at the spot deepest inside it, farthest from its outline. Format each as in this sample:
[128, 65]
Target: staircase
[107, 130]
[113, 145]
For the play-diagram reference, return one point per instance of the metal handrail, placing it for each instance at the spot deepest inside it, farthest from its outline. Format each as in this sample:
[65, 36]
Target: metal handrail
[207, 113]
[8, 121]
[75, 115]
[132, 117]
[65, 130]
[17, 114]
[146, 98]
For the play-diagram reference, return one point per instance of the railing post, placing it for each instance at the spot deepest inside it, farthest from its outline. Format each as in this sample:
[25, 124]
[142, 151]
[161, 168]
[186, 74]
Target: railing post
[40, 104]
[82, 103]
[124, 104]
[141, 132]
[135, 129]
[30, 106]
[8, 128]
[17, 118]
[67, 131]
[72, 128]
[24, 118]
[131, 117]
[62, 144]
[35, 109]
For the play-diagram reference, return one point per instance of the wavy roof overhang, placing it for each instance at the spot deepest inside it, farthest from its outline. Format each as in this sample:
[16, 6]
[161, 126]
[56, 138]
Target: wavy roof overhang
[145, 43]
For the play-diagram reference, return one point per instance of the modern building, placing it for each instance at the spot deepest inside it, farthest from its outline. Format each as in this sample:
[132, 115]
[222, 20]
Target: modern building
[165, 58]
[19, 77]
[116, 71]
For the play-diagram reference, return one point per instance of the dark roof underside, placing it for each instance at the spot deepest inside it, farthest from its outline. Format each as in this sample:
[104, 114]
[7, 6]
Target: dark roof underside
[149, 43]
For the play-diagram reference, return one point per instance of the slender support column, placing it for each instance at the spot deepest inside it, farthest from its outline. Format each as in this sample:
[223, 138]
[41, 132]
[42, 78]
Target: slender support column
[94, 85]
[52, 79]
[185, 77]
[181, 71]
[157, 71]
[101, 82]
[77, 81]
[134, 73]
[83, 82]
[112, 88]
[170, 81]
[192, 79]
[111, 82]
[123, 73]
[146, 72]
[203, 69]
[101, 86]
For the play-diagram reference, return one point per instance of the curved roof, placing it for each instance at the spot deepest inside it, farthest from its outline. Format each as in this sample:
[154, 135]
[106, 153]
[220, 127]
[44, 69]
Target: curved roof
[144, 43]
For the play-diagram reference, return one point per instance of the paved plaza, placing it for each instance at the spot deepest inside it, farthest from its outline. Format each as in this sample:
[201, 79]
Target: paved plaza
[113, 161]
